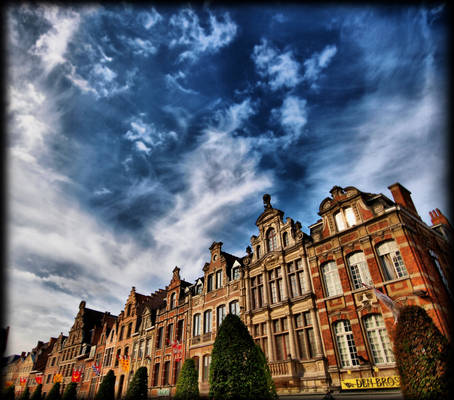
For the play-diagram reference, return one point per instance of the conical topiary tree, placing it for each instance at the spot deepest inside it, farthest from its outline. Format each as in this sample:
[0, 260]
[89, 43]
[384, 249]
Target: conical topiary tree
[25, 394]
[237, 370]
[138, 388]
[37, 393]
[70, 392]
[423, 356]
[8, 393]
[187, 384]
[106, 389]
[54, 392]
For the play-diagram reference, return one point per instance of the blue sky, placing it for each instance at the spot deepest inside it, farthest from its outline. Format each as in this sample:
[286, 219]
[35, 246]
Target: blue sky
[138, 136]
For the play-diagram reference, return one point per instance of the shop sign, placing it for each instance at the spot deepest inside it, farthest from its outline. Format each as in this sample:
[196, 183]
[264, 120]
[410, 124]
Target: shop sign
[376, 382]
[163, 392]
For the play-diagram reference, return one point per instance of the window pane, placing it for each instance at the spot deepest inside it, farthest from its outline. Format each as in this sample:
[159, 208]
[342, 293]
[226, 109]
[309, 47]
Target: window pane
[339, 221]
[350, 216]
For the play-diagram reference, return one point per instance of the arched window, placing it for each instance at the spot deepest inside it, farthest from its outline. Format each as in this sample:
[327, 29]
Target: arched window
[285, 239]
[346, 343]
[207, 321]
[391, 261]
[331, 278]
[359, 270]
[271, 239]
[378, 339]
[234, 307]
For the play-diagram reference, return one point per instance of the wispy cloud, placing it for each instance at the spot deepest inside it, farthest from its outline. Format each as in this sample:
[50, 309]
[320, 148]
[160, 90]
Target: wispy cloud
[233, 117]
[190, 34]
[281, 69]
[172, 81]
[292, 116]
[314, 65]
[146, 136]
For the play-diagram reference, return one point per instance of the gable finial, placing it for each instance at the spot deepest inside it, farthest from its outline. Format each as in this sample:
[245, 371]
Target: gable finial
[267, 201]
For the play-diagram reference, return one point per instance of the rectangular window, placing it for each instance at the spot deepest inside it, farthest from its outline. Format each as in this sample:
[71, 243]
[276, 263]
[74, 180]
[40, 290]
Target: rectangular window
[141, 349]
[281, 338]
[210, 283]
[169, 335]
[156, 375]
[207, 321]
[206, 368]
[180, 330]
[218, 279]
[305, 335]
[257, 291]
[166, 374]
[220, 315]
[275, 282]
[331, 277]
[159, 338]
[176, 371]
[260, 337]
[196, 325]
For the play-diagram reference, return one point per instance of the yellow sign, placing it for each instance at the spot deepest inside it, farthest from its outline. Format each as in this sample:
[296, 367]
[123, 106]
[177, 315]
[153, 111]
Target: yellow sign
[58, 378]
[376, 382]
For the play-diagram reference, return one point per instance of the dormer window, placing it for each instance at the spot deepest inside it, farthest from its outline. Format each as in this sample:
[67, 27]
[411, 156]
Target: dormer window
[271, 240]
[285, 239]
[235, 273]
[198, 288]
[345, 218]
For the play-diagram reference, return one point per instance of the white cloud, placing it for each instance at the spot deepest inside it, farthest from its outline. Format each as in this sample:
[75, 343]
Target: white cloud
[142, 47]
[146, 136]
[150, 19]
[190, 33]
[316, 63]
[281, 69]
[51, 46]
[172, 82]
[292, 115]
[232, 118]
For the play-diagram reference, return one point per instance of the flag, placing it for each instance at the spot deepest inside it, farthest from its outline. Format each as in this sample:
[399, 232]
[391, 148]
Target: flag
[386, 301]
[77, 374]
[177, 348]
[96, 369]
[58, 378]
[23, 381]
[39, 379]
[125, 363]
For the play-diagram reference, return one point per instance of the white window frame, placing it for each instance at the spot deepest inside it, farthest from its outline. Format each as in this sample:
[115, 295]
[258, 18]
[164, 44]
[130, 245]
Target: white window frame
[345, 218]
[331, 279]
[359, 270]
[348, 354]
[207, 319]
[391, 260]
[378, 339]
[196, 325]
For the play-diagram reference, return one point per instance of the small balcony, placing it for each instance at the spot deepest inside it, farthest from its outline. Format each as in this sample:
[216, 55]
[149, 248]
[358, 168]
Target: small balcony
[285, 368]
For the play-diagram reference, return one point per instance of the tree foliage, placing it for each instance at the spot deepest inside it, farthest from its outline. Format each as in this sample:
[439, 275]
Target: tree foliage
[423, 356]
[138, 388]
[37, 393]
[70, 392]
[237, 368]
[54, 392]
[106, 389]
[187, 384]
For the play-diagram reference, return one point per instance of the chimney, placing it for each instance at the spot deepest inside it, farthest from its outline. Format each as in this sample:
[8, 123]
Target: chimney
[437, 218]
[402, 196]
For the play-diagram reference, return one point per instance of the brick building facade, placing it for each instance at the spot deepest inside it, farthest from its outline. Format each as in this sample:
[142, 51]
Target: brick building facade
[310, 301]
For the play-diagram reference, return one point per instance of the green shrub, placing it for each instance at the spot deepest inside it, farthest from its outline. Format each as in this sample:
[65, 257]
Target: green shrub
[54, 392]
[269, 379]
[70, 392]
[106, 389]
[138, 388]
[25, 394]
[237, 369]
[423, 356]
[187, 384]
[37, 393]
